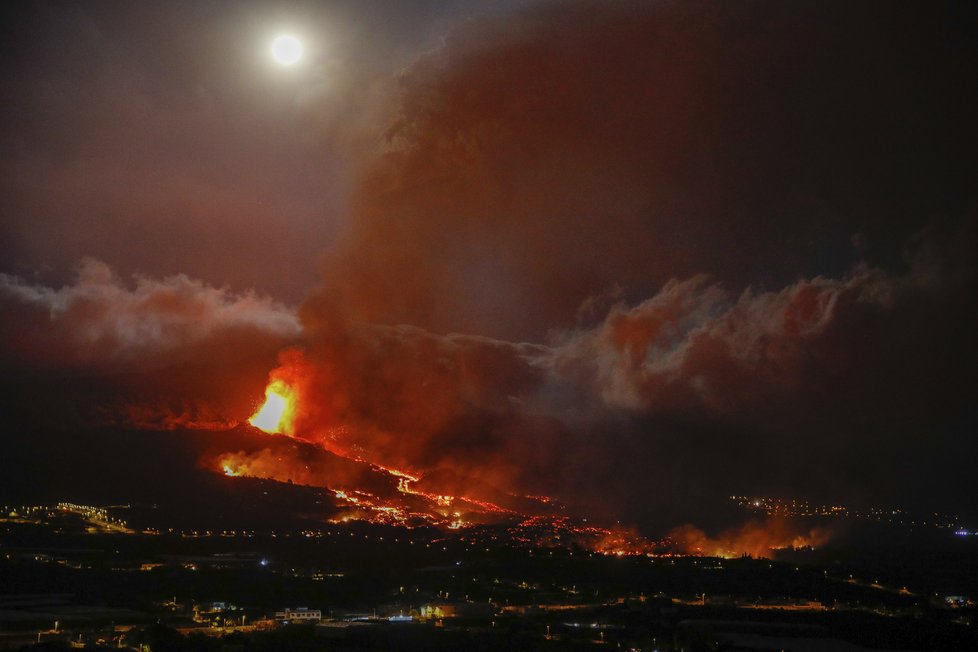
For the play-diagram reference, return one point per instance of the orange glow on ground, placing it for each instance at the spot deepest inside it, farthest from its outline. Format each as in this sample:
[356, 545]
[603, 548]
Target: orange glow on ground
[759, 539]
[277, 413]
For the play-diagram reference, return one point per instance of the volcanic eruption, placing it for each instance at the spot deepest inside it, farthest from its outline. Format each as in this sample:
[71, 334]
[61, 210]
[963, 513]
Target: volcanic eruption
[277, 414]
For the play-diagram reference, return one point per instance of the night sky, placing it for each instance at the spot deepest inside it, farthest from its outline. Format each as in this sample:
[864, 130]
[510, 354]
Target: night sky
[637, 255]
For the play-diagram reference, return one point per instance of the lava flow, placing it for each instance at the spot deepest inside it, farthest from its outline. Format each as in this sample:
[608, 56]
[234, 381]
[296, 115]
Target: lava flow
[364, 489]
[367, 491]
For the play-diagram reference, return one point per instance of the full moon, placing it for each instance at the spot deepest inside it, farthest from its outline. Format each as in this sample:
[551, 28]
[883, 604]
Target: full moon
[286, 50]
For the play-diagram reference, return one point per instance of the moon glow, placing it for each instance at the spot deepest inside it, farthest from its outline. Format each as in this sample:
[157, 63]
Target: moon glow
[286, 50]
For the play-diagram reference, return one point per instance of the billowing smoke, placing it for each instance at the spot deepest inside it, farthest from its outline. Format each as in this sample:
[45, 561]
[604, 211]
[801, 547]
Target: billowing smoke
[541, 160]
[688, 207]
[580, 415]
[168, 353]
[106, 322]
[694, 346]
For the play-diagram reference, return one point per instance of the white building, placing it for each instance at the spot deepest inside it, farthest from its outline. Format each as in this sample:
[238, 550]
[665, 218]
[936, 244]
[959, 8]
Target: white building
[300, 615]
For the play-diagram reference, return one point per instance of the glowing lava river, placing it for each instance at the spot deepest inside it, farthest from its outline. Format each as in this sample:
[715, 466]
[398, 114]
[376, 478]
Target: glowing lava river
[367, 491]
[363, 490]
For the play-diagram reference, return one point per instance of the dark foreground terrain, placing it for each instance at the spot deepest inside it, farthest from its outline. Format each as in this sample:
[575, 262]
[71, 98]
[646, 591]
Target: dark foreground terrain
[76, 578]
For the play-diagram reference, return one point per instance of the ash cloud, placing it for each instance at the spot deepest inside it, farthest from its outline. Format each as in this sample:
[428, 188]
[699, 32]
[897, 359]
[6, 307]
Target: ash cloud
[677, 398]
[705, 170]
[539, 160]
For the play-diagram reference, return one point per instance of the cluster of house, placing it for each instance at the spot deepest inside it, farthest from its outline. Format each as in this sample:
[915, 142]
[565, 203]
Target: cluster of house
[432, 611]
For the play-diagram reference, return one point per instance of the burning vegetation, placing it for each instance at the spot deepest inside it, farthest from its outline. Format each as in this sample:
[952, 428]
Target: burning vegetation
[755, 538]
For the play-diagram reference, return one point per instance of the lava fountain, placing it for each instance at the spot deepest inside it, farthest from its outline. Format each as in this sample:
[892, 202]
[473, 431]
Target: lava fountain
[277, 414]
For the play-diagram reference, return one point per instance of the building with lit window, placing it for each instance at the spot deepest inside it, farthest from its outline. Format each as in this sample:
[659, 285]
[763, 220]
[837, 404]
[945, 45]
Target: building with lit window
[299, 615]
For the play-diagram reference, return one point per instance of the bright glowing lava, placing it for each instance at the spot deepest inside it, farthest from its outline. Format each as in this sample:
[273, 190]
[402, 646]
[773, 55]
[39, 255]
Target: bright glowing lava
[277, 413]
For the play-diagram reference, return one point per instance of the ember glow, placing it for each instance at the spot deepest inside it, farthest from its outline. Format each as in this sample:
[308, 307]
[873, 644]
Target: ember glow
[563, 531]
[277, 413]
[755, 538]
